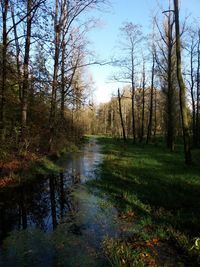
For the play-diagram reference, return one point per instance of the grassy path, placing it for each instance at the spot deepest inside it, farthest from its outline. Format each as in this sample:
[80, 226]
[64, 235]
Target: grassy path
[160, 198]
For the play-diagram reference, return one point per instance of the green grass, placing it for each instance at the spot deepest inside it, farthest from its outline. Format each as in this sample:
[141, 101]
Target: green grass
[159, 188]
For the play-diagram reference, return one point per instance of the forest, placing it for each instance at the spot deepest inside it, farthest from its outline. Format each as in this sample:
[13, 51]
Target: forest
[84, 183]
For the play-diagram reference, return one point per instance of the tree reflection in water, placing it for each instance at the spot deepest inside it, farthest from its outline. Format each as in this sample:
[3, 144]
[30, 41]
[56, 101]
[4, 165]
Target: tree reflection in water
[60, 203]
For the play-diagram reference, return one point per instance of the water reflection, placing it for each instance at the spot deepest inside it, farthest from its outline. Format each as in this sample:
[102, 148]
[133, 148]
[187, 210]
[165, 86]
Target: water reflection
[62, 203]
[22, 209]
[43, 204]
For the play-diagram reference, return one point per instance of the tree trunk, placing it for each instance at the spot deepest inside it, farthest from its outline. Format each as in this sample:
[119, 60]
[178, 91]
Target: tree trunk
[155, 114]
[192, 95]
[143, 102]
[19, 75]
[133, 95]
[170, 91]
[55, 77]
[25, 85]
[64, 14]
[149, 132]
[4, 67]
[62, 104]
[182, 88]
[121, 116]
[198, 95]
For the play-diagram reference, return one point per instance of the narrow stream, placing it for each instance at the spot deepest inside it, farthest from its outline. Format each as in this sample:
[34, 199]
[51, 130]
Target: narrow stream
[57, 221]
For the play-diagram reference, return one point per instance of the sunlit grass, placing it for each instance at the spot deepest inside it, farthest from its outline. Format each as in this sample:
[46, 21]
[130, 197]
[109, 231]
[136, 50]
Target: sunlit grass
[158, 187]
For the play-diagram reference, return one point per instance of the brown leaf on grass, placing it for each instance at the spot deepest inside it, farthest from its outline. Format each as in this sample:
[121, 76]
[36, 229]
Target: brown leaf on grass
[14, 163]
[126, 215]
[10, 165]
[152, 242]
[5, 181]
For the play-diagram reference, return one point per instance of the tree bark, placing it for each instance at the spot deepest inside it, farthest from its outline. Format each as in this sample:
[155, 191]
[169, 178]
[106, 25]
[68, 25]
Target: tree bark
[64, 11]
[55, 78]
[133, 95]
[149, 132]
[170, 91]
[198, 93]
[25, 85]
[62, 104]
[143, 102]
[4, 66]
[192, 94]
[121, 116]
[182, 89]
[19, 74]
[155, 113]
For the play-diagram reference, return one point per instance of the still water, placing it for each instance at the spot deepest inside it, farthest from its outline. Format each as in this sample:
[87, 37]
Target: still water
[57, 221]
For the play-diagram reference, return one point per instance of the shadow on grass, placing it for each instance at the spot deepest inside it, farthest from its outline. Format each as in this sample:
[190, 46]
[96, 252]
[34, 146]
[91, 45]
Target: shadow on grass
[152, 182]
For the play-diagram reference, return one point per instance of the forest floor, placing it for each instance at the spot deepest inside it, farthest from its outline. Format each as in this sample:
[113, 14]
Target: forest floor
[16, 169]
[158, 195]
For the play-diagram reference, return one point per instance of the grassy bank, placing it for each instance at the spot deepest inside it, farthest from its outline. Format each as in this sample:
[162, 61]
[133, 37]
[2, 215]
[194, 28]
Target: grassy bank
[17, 169]
[158, 196]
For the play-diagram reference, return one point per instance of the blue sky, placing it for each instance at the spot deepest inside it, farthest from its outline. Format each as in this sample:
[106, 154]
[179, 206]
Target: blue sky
[104, 38]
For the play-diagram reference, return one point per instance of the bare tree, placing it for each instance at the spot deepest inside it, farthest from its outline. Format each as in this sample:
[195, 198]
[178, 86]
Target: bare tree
[65, 14]
[166, 63]
[132, 37]
[182, 88]
[143, 100]
[198, 92]
[4, 7]
[25, 86]
[57, 32]
[121, 116]
[192, 81]
[149, 130]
